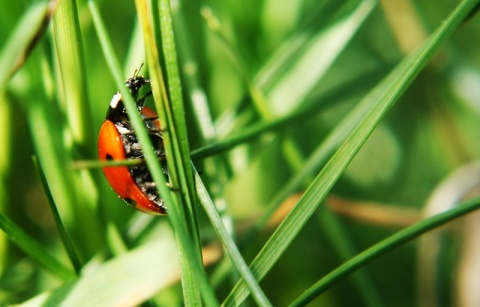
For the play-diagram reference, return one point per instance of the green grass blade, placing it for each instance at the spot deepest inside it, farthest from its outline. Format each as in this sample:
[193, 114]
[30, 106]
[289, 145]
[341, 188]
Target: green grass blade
[313, 107]
[180, 211]
[47, 138]
[200, 103]
[177, 128]
[308, 68]
[344, 246]
[380, 100]
[287, 55]
[137, 123]
[73, 100]
[69, 47]
[192, 255]
[384, 247]
[315, 56]
[67, 243]
[15, 50]
[176, 141]
[317, 159]
[6, 157]
[229, 244]
[35, 249]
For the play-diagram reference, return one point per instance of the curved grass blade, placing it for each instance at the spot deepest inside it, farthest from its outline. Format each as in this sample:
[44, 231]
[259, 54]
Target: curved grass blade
[229, 244]
[23, 38]
[169, 105]
[379, 101]
[299, 78]
[343, 245]
[312, 107]
[384, 247]
[191, 259]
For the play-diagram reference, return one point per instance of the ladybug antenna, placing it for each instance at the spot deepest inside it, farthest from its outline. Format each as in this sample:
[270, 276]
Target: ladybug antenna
[137, 71]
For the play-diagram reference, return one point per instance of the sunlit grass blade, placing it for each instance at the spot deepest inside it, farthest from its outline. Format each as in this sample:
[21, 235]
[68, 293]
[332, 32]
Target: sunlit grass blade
[142, 135]
[313, 106]
[70, 52]
[319, 155]
[6, 157]
[192, 259]
[180, 211]
[260, 95]
[54, 158]
[380, 100]
[315, 54]
[175, 113]
[229, 244]
[200, 104]
[73, 96]
[15, 50]
[384, 247]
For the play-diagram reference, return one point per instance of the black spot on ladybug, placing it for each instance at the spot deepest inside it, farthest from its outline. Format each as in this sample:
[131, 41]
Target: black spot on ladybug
[109, 157]
[130, 201]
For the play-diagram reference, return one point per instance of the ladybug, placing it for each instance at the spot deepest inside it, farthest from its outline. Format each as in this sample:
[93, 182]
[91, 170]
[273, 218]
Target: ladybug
[118, 141]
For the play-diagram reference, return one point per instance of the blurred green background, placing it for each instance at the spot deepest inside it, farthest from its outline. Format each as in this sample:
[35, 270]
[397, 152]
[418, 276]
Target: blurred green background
[430, 133]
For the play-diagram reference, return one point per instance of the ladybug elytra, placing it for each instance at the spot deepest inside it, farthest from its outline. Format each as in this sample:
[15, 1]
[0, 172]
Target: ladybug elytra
[118, 141]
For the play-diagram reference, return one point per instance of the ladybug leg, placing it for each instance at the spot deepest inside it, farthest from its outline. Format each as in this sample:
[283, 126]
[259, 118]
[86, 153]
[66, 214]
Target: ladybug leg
[152, 184]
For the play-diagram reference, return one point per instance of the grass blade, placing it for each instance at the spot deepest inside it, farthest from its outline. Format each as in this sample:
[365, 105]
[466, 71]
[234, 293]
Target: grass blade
[69, 47]
[19, 43]
[133, 281]
[229, 244]
[309, 68]
[384, 247]
[67, 243]
[34, 249]
[379, 101]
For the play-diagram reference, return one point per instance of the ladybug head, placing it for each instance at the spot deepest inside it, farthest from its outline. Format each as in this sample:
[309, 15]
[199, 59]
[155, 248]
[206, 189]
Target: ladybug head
[135, 83]
[117, 111]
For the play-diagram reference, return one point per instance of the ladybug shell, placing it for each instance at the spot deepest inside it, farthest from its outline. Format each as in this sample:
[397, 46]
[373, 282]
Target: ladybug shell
[111, 147]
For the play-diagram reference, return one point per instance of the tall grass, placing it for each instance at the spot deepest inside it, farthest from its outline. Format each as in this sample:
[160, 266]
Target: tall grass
[306, 143]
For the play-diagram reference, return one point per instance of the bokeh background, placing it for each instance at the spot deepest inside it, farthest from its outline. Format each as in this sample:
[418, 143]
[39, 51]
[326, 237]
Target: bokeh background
[420, 159]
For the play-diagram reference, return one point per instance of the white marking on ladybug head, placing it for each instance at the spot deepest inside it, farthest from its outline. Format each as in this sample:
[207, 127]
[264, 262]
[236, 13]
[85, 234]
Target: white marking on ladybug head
[115, 100]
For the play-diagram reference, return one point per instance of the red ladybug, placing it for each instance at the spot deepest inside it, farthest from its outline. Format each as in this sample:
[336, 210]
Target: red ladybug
[117, 141]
